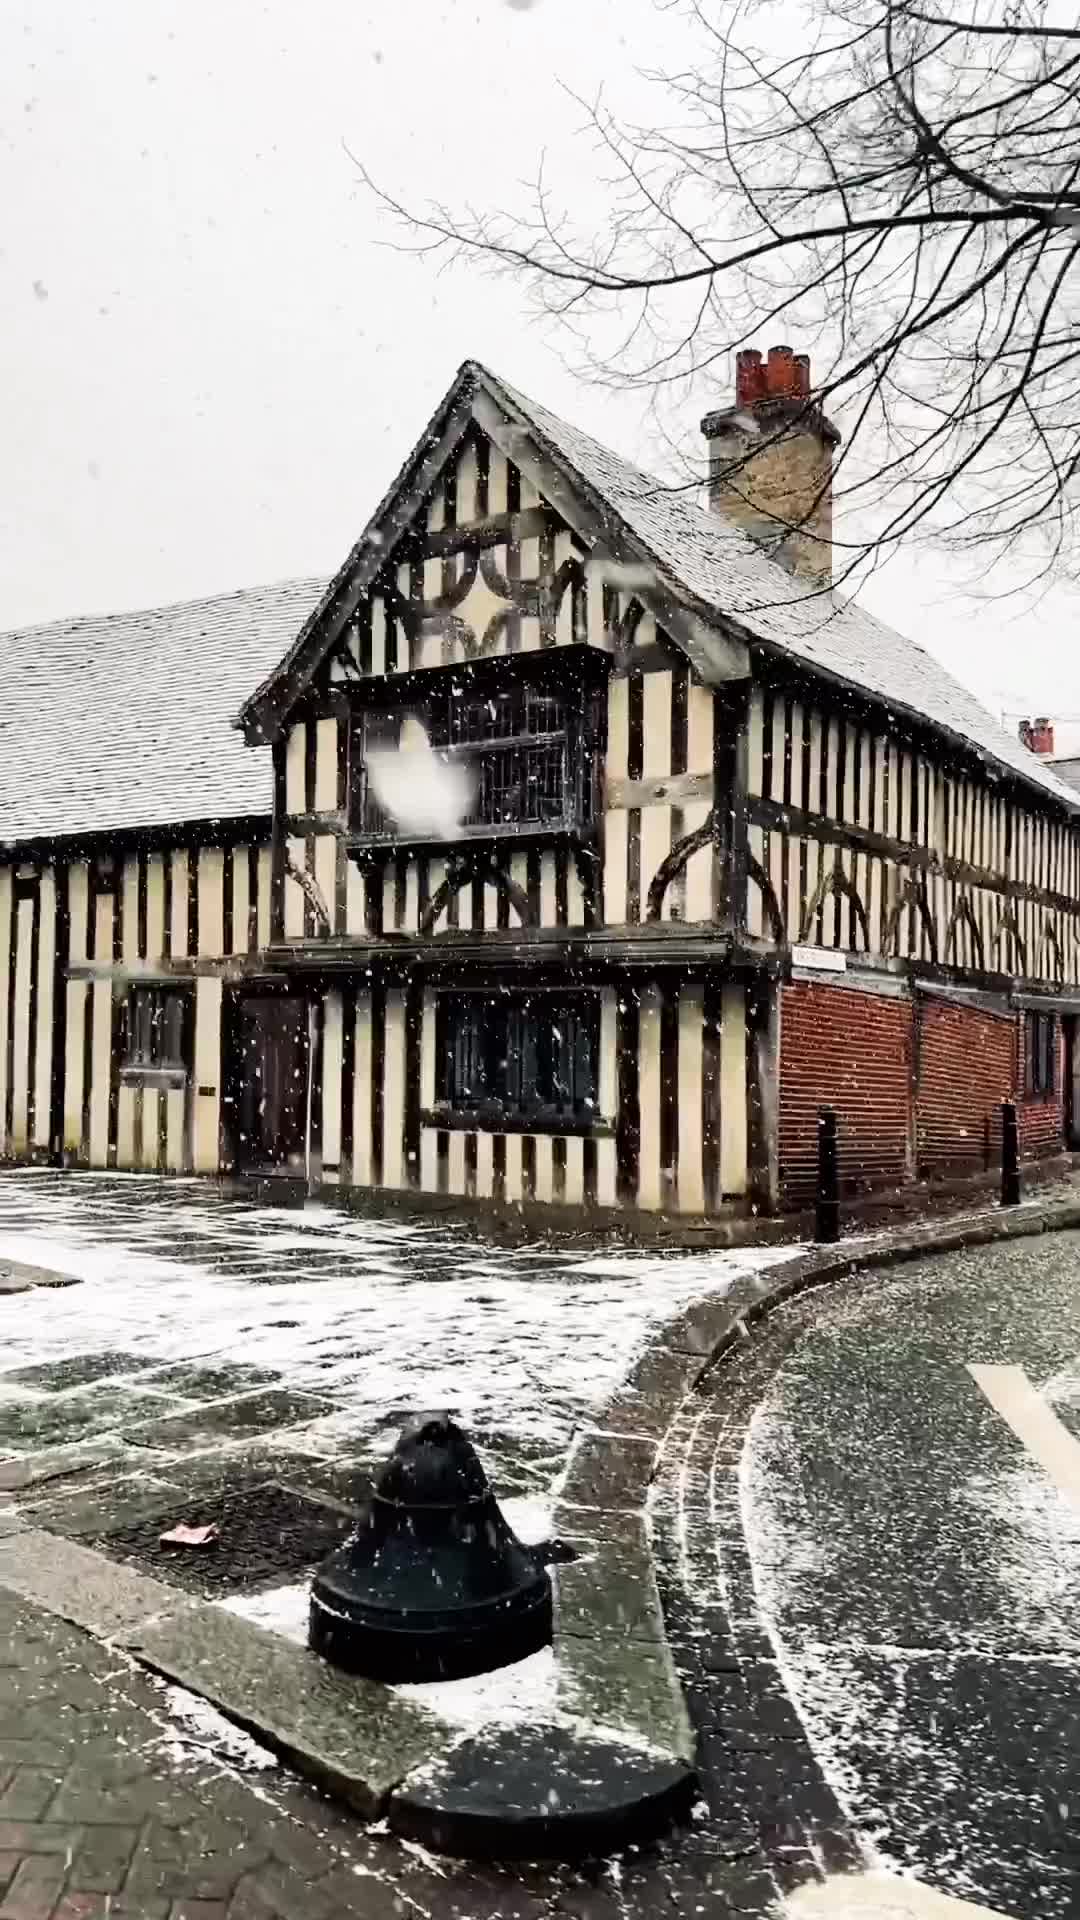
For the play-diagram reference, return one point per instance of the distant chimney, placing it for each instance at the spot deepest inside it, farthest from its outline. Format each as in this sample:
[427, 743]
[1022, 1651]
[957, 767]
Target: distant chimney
[770, 462]
[1038, 735]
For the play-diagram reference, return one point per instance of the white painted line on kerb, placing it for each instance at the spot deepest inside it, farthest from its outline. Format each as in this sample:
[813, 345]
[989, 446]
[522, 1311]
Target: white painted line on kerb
[1034, 1423]
[880, 1896]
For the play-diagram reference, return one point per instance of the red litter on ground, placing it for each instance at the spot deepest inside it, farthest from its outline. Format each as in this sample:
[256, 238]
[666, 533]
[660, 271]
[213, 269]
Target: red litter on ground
[184, 1536]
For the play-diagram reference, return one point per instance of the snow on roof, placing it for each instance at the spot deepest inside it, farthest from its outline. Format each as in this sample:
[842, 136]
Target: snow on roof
[720, 568]
[124, 720]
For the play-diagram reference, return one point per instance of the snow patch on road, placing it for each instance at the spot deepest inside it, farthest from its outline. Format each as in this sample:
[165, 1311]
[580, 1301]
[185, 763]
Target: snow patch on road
[865, 1705]
[780, 1555]
[1038, 1553]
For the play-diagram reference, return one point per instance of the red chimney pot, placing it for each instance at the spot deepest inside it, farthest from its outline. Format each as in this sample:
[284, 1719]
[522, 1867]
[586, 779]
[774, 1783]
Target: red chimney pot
[781, 376]
[749, 377]
[1038, 735]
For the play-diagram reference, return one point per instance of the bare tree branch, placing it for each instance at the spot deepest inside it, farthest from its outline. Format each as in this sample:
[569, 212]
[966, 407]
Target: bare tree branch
[898, 184]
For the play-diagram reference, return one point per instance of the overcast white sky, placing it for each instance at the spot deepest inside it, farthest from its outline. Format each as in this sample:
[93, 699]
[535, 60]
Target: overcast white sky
[212, 362]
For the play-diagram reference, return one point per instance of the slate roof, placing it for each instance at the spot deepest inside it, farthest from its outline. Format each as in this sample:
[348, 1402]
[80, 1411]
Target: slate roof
[723, 572]
[125, 719]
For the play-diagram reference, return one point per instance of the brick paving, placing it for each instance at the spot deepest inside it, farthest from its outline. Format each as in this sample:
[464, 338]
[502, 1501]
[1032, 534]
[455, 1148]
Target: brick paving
[108, 1807]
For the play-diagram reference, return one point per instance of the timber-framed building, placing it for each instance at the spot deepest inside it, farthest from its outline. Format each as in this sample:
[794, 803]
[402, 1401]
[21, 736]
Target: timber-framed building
[736, 849]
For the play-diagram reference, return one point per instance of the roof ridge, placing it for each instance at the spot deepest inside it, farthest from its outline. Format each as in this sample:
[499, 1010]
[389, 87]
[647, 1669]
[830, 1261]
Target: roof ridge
[725, 545]
[74, 622]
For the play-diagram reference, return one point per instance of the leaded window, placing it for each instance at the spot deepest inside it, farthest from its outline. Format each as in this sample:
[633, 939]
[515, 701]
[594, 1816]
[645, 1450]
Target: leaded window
[518, 1060]
[525, 742]
[1041, 1053]
[157, 1037]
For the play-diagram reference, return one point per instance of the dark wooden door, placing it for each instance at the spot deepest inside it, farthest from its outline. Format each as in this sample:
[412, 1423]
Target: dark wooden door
[266, 1097]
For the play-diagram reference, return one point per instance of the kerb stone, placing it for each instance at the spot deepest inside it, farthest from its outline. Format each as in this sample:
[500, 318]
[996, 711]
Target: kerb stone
[609, 1470]
[78, 1584]
[353, 1736]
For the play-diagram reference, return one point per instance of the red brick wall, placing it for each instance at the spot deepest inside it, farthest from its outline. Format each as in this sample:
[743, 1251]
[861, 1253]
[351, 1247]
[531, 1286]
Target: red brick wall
[967, 1067]
[852, 1051]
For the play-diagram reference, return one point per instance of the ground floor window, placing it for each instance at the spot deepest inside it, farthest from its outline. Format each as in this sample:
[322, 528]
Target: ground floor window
[1041, 1039]
[157, 1036]
[518, 1060]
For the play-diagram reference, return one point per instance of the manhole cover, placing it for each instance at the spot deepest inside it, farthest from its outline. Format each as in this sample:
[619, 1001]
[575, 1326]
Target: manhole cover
[266, 1535]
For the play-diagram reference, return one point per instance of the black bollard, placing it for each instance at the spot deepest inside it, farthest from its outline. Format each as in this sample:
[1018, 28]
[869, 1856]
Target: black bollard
[1010, 1155]
[827, 1211]
[433, 1585]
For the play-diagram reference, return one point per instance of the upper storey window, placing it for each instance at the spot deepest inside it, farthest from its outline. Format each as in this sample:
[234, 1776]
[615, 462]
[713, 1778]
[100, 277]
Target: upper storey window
[526, 747]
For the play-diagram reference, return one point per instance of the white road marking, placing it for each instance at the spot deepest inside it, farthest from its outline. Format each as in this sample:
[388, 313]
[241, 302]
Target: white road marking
[1034, 1423]
[880, 1896]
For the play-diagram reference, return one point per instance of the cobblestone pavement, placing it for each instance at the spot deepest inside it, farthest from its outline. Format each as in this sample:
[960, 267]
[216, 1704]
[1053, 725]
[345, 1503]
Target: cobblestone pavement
[894, 1582]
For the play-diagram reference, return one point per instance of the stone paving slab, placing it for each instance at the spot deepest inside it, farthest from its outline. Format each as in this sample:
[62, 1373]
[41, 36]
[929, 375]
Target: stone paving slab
[232, 1420]
[81, 1370]
[194, 1381]
[54, 1465]
[656, 1383]
[53, 1419]
[494, 1794]
[611, 1589]
[17, 1277]
[87, 1514]
[626, 1688]
[348, 1483]
[234, 1468]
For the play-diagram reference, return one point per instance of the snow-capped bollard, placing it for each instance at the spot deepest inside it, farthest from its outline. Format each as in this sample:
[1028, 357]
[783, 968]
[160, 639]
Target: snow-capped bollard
[433, 1585]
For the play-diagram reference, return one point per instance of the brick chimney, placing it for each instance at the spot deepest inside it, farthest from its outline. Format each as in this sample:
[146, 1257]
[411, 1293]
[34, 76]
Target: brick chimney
[1038, 735]
[770, 458]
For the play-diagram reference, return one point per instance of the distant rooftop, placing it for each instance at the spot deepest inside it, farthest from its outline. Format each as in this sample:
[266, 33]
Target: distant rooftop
[1067, 767]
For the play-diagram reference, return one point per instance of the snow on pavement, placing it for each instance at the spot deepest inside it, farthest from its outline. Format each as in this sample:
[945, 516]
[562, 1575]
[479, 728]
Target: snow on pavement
[399, 1314]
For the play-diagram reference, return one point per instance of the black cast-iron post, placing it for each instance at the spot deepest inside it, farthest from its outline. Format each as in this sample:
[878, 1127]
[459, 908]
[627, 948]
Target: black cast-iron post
[827, 1208]
[1010, 1155]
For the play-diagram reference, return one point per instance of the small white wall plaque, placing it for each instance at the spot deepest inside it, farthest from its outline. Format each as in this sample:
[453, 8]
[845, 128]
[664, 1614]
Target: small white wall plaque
[819, 959]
